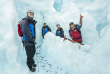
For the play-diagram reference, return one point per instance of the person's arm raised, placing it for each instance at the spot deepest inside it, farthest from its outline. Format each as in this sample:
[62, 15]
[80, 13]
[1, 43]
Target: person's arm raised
[80, 23]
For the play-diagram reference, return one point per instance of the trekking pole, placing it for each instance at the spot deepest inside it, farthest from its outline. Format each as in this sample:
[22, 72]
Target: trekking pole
[22, 42]
[71, 41]
[76, 42]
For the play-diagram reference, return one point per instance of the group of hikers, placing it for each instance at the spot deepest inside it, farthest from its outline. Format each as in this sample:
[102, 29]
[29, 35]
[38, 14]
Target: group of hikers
[26, 30]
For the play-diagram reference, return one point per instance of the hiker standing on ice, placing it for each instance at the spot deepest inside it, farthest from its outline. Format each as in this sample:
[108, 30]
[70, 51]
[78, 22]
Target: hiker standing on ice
[74, 32]
[59, 31]
[29, 38]
[45, 29]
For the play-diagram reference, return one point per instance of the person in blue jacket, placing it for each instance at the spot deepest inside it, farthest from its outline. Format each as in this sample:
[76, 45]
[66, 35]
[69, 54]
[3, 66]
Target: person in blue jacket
[59, 31]
[29, 38]
[45, 29]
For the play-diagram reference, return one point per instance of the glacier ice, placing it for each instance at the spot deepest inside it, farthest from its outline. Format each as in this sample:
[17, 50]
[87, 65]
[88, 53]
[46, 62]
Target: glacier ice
[56, 56]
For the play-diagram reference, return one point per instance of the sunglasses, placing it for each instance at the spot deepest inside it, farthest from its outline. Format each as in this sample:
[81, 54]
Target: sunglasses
[31, 12]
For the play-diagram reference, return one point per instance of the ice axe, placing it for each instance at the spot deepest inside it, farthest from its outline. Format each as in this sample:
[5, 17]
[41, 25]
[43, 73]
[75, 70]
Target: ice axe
[72, 40]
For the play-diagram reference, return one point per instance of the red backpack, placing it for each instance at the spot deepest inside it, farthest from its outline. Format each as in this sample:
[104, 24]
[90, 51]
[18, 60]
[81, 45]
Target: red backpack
[19, 29]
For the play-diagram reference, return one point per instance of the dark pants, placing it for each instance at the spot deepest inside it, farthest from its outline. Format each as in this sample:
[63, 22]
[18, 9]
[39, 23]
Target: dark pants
[30, 52]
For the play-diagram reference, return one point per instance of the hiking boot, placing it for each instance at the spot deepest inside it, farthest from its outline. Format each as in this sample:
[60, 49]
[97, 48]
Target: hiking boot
[34, 65]
[33, 69]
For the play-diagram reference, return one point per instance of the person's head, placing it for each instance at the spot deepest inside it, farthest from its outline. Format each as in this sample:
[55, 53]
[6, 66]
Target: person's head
[58, 25]
[30, 13]
[44, 24]
[72, 25]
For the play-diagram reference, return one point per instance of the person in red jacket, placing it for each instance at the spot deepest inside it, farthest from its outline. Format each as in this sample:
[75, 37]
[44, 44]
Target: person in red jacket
[74, 32]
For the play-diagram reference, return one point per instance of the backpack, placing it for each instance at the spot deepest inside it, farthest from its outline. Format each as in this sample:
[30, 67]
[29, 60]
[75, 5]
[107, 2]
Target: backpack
[19, 29]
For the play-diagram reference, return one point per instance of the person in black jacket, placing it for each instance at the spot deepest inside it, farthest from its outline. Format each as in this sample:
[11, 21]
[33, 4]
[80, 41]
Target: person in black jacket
[59, 31]
[29, 38]
[45, 29]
